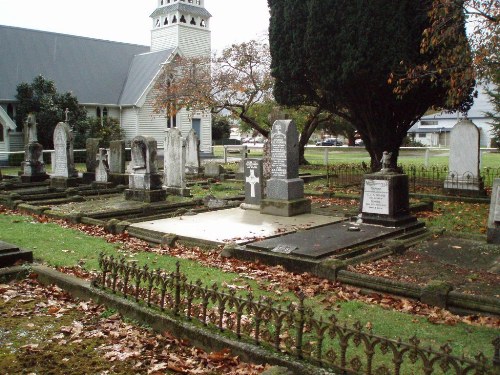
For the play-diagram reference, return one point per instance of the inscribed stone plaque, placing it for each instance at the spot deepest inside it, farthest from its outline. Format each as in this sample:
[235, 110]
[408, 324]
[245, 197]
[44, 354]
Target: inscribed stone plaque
[284, 150]
[284, 249]
[253, 181]
[376, 197]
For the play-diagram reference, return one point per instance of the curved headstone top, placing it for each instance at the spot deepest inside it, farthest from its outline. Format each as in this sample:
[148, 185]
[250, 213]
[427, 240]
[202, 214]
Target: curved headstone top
[143, 151]
[284, 150]
[63, 151]
[464, 148]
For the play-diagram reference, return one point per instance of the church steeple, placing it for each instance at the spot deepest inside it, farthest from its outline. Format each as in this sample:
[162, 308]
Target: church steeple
[181, 23]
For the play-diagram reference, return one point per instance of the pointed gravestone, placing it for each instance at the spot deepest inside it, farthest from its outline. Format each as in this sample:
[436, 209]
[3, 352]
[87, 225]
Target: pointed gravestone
[463, 172]
[192, 153]
[285, 190]
[144, 180]
[175, 164]
[493, 234]
[92, 149]
[254, 189]
[64, 173]
[33, 165]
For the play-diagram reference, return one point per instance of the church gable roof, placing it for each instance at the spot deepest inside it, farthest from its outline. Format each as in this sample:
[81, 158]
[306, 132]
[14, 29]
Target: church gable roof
[143, 70]
[95, 71]
[183, 8]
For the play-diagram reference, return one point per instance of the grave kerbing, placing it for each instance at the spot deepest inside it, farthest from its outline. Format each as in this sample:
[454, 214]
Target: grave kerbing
[144, 179]
[493, 233]
[285, 190]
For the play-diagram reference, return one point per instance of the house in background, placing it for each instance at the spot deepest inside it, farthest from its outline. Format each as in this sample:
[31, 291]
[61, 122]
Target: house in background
[108, 78]
[434, 130]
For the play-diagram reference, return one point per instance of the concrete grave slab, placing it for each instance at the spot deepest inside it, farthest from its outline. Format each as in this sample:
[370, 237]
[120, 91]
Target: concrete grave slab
[325, 241]
[11, 254]
[234, 225]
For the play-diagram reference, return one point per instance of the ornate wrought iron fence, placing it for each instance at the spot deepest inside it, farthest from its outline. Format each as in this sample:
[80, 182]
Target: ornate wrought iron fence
[421, 178]
[292, 329]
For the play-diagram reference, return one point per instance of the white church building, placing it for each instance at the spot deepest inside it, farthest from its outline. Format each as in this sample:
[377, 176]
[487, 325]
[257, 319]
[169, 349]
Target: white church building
[108, 78]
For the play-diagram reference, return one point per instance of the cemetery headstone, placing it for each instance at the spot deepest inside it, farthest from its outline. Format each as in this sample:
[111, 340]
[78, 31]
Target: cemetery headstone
[91, 148]
[116, 162]
[254, 189]
[144, 179]
[213, 170]
[385, 197]
[285, 190]
[64, 172]
[192, 153]
[175, 164]
[33, 165]
[463, 176]
[102, 169]
[493, 234]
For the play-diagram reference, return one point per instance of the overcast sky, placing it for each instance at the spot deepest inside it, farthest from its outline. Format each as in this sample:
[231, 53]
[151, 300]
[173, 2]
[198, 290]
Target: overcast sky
[128, 20]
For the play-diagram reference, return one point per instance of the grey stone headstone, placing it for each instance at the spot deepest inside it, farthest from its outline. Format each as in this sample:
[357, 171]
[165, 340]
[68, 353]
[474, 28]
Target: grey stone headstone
[116, 157]
[285, 183]
[213, 170]
[253, 181]
[64, 165]
[143, 172]
[102, 170]
[464, 157]
[493, 234]
[92, 149]
[175, 161]
[192, 153]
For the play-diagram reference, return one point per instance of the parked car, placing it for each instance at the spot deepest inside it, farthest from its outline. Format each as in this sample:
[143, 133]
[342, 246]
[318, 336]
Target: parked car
[329, 142]
[359, 142]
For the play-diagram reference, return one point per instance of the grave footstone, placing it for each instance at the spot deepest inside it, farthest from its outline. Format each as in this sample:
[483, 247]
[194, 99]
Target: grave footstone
[144, 180]
[285, 190]
[33, 165]
[254, 191]
[493, 234]
[192, 153]
[175, 164]
[64, 172]
[463, 176]
[385, 197]
[92, 149]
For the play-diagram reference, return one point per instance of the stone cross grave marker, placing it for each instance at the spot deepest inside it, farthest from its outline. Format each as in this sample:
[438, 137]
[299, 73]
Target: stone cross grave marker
[253, 181]
[102, 170]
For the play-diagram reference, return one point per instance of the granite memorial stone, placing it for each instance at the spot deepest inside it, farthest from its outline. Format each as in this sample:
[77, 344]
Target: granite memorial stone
[285, 190]
[254, 191]
[463, 177]
[175, 164]
[213, 170]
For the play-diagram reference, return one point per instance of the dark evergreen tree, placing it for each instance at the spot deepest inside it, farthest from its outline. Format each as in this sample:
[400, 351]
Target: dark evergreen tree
[221, 128]
[41, 97]
[341, 53]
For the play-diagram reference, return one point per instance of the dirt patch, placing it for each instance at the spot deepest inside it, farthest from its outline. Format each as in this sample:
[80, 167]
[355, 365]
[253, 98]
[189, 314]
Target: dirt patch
[98, 205]
[470, 266]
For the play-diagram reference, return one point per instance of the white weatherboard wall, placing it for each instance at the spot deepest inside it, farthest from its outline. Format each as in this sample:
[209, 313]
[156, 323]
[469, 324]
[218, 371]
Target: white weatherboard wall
[129, 122]
[151, 123]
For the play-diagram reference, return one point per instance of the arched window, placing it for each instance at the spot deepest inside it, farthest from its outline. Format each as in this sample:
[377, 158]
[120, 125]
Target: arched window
[193, 22]
[98, 112]
[202, 23]
[165, 21]
[105, 112]
[183, 19]
[157, 22]
[174, 20]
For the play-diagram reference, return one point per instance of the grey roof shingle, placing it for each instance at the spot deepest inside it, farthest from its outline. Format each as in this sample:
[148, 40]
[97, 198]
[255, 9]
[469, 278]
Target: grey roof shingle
[95, 71]
[183, 8]
[142, 72]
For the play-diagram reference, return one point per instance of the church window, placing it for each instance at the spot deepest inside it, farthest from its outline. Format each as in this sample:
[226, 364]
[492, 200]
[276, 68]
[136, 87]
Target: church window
[198, 2]
[157, 22]
[98, 112]
[174, 20]
[161, 2]
[202, 23]
[165, 21]
[193, 22]
[105, 112]
[183, 19]
[1, 133]
[172, 122]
